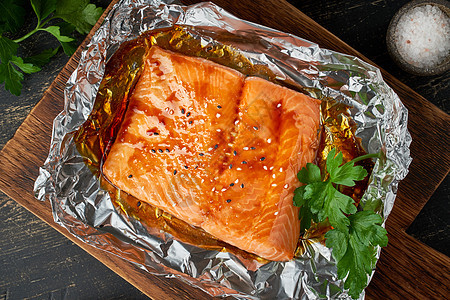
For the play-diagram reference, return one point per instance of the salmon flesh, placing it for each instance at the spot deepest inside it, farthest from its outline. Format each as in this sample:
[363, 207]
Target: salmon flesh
[217, 150]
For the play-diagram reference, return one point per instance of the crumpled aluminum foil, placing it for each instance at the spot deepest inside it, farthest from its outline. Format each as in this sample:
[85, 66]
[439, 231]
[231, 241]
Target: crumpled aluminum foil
[81, 206]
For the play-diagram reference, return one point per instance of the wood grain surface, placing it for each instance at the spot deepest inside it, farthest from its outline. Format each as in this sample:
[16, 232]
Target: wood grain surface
[407, 268]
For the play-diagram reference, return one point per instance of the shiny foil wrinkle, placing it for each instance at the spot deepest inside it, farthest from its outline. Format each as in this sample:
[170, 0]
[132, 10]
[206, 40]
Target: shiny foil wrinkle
[81, 200]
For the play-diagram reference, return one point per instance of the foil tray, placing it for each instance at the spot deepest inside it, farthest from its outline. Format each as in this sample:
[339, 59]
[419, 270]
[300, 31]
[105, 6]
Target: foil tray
[81, 205]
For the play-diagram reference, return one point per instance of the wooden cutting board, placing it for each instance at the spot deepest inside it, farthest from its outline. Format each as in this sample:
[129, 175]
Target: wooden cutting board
[407, 268]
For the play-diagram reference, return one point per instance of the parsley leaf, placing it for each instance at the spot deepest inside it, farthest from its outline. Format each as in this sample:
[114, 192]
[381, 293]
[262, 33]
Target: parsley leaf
[305, 211]
[43, 8]
[55, 31]
[324, 200]
[12, 15]
[355, 235]
[307, 216]
[42, 58]
[363, 223]
[80, 13]
[354, 249]
[336, 206]
[25, 67]
[68, 47]
[8, 48]
[310, 174]
[346, 174]
[337, 240]
[12, 78]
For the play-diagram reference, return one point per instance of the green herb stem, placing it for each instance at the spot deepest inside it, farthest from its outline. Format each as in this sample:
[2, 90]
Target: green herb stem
[27, 35]
[39, 26]
[363, 157]
[47, 20]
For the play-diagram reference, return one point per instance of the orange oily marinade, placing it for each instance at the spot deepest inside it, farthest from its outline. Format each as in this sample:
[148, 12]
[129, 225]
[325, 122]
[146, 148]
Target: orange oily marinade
[217, 150]
[97, 134]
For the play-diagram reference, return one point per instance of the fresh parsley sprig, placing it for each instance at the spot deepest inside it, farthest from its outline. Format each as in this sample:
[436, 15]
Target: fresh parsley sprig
[79, 15]
[355, 235]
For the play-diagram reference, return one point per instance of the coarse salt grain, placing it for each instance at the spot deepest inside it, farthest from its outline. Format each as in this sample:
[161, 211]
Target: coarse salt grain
[423, 36]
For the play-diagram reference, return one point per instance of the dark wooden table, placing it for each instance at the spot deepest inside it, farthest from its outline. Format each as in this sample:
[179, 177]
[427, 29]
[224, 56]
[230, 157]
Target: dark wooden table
[37, 262]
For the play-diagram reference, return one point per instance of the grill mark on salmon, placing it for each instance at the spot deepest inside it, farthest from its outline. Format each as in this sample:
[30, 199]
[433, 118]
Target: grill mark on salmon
[216, 150]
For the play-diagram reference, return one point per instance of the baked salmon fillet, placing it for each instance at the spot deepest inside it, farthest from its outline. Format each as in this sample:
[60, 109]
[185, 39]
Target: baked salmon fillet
[217, 150]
